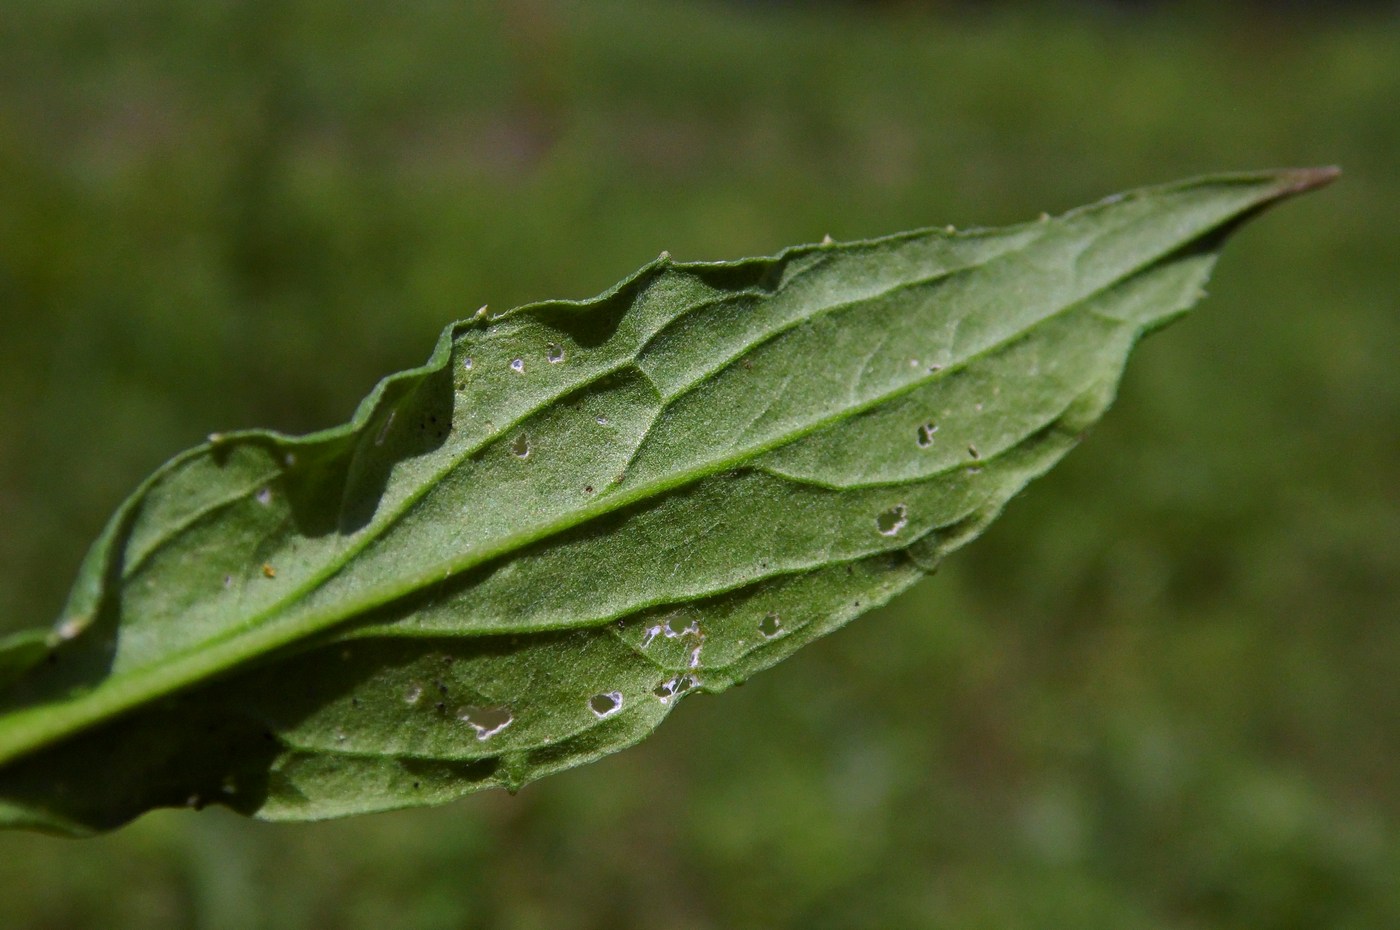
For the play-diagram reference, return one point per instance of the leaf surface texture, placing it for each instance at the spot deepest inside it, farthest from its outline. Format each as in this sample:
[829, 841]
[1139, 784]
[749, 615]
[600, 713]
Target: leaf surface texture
[520, 556]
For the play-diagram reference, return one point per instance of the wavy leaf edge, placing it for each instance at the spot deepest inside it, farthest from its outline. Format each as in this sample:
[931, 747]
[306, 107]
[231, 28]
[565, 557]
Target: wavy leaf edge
[26, 650]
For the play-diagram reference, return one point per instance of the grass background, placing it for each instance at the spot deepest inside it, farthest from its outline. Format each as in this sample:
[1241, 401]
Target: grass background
[1161, 692]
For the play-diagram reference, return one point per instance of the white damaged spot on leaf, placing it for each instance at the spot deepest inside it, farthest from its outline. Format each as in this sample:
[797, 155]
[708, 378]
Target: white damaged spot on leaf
[606, 704]
[671, 628]
[69, 628]
[891, 521]
[676, 688]
[486, 721]
[675, 631]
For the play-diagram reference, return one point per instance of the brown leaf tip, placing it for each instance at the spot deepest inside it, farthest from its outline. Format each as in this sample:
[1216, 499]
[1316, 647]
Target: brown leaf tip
[1299, 180]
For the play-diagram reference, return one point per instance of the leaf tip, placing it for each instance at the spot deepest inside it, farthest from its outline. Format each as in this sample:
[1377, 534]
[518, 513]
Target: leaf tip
[1300, 180]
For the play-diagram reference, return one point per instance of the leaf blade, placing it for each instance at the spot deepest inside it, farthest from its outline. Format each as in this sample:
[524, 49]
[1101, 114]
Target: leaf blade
[701, 442]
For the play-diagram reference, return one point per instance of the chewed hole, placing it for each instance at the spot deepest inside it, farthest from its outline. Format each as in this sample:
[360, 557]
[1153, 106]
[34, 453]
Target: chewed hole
[605, 705]
[771, 625]
[486, 721]
[517, 365]
[893, 520]
[924, 435]
[554, 353]
[674, 628]
[413, 693]
[520, 446]
[467, 363]
[264, 496]
[675, 688]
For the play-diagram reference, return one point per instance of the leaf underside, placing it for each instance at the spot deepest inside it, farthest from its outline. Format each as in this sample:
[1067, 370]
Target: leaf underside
[518, 557]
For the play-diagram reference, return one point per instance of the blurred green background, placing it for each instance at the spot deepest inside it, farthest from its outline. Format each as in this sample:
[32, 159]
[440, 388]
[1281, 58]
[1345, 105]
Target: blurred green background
[1162, 692]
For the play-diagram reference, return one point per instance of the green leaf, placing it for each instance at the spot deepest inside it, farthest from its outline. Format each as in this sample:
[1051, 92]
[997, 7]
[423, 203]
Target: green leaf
[19, 652]
[520, 556]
